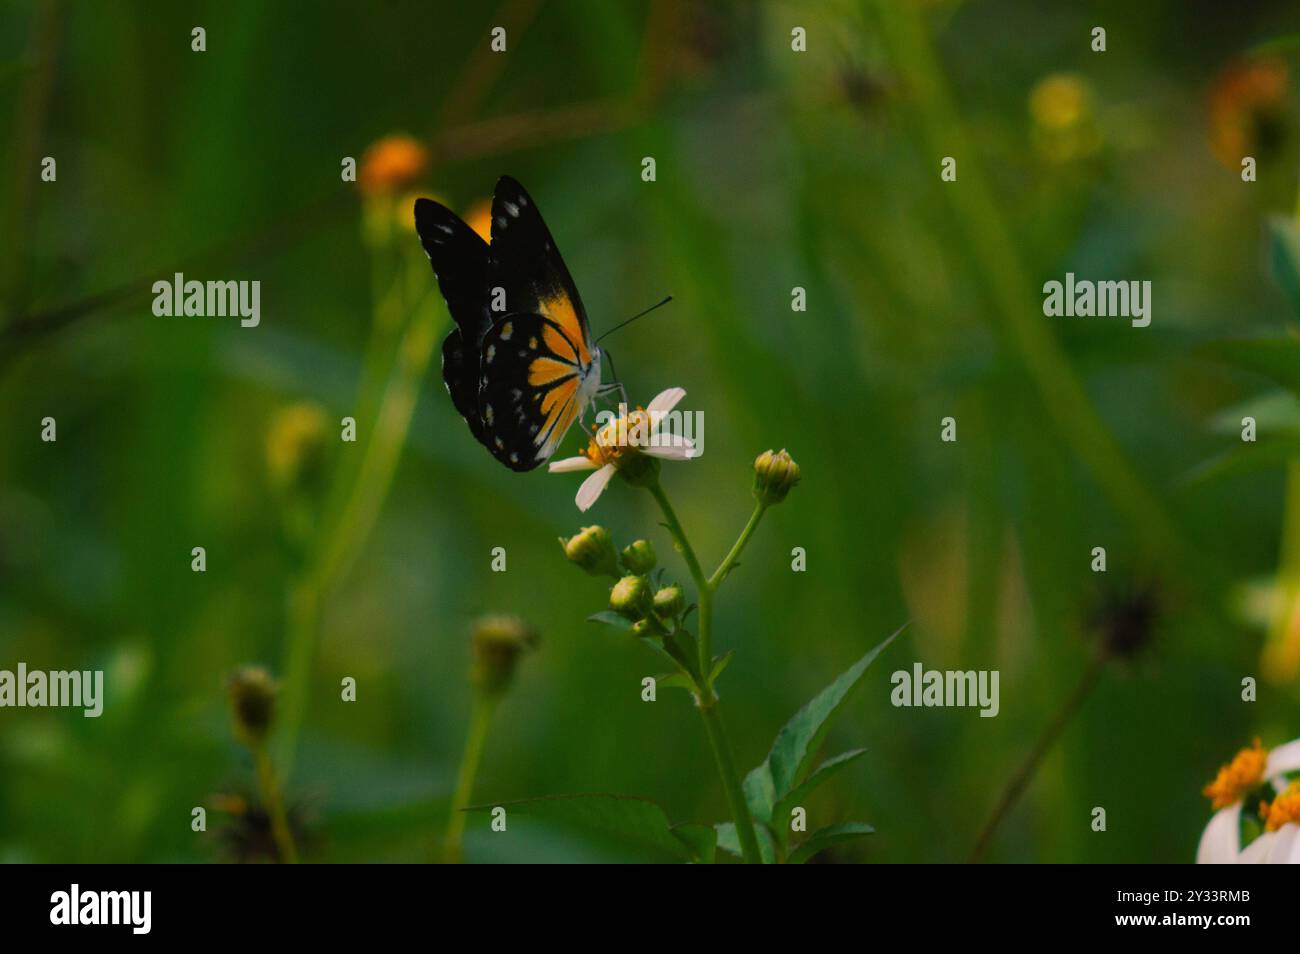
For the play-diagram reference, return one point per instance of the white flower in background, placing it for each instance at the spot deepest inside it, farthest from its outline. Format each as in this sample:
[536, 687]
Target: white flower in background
[1251, 769]
[1280, 843]
[623, 444]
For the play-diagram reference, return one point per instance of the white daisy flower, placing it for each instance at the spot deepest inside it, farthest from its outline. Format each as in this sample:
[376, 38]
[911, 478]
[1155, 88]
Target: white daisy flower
[1280, 843]
[624, 443]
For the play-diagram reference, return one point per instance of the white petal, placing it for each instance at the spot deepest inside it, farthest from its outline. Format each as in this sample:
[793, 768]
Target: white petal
[1220, 842]
[1258, 851]
[665, 401]
[671, 447]
[570, 464]
[1284, 758]
[1286, 847]
[593, 487]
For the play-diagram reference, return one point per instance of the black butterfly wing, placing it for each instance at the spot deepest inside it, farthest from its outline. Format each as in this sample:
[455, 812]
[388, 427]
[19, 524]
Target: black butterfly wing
[518, 383]
[528, 266]
[531, 390]
[461, 260]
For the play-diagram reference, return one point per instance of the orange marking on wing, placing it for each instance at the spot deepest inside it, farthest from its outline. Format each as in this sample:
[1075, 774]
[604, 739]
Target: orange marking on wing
[561, 311]
[558, 344]
[563, 421]
[557, 396]
[544, 371]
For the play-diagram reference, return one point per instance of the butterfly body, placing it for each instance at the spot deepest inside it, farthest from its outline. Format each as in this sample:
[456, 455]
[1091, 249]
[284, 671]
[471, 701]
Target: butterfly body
[521, 366]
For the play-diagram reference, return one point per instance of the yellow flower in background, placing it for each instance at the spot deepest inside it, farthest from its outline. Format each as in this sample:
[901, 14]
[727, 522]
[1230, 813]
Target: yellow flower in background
[1247, 110]
[1285, 809]
[1280, 843]
[1250, 771]
[1064, 121]
[1059, 101]
[479, 218]
[392, 165]
[1238, 777]
[296, 449]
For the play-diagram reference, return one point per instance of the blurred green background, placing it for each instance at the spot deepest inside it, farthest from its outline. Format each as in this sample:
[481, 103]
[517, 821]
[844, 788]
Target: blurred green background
[775, 169]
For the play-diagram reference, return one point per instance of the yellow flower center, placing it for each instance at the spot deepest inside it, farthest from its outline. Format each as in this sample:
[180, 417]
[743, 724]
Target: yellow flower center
[1285, 809]
[1237, 778]
[619, 438]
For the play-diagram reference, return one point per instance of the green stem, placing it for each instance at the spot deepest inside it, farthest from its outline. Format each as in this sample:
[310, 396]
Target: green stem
[675, 528]
[352, 523]
[479, 721]
[730, 780]
[706, 698]
[1281, 655]
[697, 574]
[274, 805]
[1025, 774]
[725, 566]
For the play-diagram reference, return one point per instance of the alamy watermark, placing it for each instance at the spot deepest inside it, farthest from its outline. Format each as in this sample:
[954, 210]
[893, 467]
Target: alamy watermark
[212, 299]
[953, 687]
[36, 688]
[74, 906]
[1108, 299]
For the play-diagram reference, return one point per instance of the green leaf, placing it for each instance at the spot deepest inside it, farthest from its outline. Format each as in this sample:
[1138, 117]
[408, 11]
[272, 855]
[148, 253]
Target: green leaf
[720, 663]
[1276, 412]
[675, 680]
[825, 838]
[681, 645]
[797, 743]
[700, 840]
[760, 793]
[729, 841]
[799, 794]
[1275, 358]
[1243, 459]
[1284, 257]
[637, 823]
[610, 618]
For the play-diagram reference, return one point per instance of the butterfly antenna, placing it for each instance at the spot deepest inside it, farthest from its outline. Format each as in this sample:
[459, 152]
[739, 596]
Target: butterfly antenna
[641, 314]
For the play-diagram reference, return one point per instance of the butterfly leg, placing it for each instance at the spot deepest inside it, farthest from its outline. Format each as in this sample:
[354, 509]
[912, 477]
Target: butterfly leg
[614, 386]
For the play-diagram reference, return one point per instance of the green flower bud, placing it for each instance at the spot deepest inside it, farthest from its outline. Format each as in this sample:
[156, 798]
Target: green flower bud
[669, 602]
[252, 698]
[497, 643]
[642, 628]
[774, 475]
[631, 598]
[592, 549]
[639, 557]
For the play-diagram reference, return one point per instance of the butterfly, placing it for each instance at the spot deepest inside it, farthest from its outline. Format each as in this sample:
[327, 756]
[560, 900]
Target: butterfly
[520, 365]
